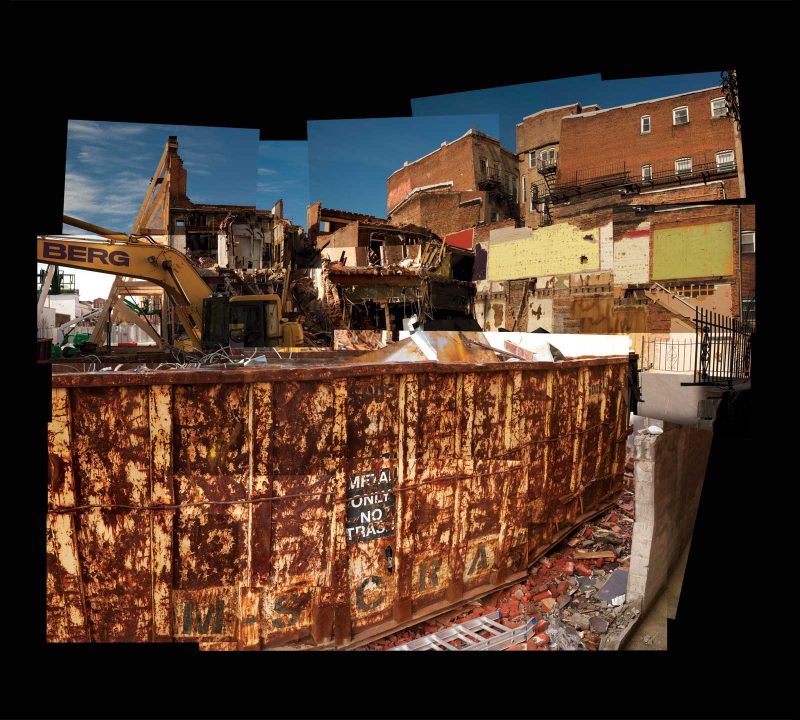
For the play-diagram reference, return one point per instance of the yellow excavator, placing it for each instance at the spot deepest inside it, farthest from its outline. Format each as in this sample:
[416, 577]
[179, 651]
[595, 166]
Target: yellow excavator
[210, 320]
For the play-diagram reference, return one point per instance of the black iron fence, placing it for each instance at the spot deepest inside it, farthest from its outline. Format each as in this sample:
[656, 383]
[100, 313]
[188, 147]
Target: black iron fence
[701, 166]
[722, 349]
[719, 354]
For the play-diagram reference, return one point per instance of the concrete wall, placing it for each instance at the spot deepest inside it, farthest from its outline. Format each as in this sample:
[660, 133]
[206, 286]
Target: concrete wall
[669, 470]
[665, 398]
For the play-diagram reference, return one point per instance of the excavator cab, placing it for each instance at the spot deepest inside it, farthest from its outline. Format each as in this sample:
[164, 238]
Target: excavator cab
[247, 321]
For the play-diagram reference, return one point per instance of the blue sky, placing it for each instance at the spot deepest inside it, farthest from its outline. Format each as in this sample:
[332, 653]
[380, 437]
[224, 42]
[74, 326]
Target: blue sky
[514, 102]
[109, 165]
[350, 160]
[283, 174]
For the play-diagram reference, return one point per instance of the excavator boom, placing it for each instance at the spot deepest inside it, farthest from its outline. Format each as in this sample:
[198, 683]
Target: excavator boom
[149, 261]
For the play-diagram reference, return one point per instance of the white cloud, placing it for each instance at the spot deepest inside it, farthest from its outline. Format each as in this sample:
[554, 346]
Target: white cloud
[102, 132]
[266, 171]
[102, 200]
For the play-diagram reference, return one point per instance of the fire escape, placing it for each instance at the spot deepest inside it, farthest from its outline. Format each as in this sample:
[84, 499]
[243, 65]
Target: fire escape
[547, 168]
[492, 182]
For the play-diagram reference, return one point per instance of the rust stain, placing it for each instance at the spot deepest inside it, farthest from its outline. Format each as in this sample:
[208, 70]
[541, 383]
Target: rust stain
[314, 504]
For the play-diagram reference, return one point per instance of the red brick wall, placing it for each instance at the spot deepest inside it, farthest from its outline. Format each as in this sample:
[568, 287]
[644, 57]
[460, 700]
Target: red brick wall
[533, 133]
[592, 143]
[458, 162]
[748, 260]
[441, 212]
[696, 216]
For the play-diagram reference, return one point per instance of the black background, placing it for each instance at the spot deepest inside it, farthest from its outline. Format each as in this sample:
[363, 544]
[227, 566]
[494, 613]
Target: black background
[273, 66]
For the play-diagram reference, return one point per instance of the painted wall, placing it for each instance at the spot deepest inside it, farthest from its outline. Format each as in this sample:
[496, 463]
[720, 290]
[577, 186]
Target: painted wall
[540, 314]
[461, 239]
[607, 246]
[693, 251]
[632, 258]
[550, 250]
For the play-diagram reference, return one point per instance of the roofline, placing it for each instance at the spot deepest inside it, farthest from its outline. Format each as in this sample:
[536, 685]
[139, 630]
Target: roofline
[421, 188]
[643, 102]
[553, 109]
[471, 131]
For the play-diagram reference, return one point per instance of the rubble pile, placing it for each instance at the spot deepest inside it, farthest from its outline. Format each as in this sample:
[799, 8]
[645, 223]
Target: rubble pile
[576, 593]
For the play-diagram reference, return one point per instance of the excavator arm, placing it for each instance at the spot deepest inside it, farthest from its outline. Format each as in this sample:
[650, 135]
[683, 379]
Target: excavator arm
[136, 258]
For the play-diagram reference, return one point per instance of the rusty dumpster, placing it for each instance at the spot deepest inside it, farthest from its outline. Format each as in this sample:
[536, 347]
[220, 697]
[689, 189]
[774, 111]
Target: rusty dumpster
[322, 505]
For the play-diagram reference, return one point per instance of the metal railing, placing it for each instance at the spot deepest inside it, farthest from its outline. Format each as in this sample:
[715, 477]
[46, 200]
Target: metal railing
[666, 355]
[722, 349]
[619, 174]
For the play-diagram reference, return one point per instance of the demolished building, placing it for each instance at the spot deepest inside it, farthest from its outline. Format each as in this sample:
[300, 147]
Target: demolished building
[373, 275]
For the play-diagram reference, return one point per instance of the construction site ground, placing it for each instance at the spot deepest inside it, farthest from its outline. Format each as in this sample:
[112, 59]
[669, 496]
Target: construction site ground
[576, 593]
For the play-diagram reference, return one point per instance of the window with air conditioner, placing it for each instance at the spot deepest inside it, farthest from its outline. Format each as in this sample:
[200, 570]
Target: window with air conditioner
[719, 108]
[725, 160]
[680, 116]
[748, 242]
[647, 173]
[645, 124]
[683, 166]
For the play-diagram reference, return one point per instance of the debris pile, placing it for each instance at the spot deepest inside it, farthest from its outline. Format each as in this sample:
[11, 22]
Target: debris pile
[576, 593]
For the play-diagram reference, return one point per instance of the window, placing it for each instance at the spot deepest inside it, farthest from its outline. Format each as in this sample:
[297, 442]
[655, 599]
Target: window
[748, 242]
[512, 186]
[495, 217]
[532, 159]
[645, 123]
[683, 166]
[547, 157]
[719, 108]
[534, 197]
[647, 172]
[725, 160]
[680, 116]
[484, 167]
[523, 189]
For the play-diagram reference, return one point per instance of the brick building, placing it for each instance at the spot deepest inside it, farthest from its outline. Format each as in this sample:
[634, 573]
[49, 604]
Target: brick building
[669, 150]
[596, 272]
[464, 183]
[538, 140]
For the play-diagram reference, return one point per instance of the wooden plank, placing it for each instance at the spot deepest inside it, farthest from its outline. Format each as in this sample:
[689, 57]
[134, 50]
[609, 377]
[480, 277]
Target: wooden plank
[137, 224]
[593, 555]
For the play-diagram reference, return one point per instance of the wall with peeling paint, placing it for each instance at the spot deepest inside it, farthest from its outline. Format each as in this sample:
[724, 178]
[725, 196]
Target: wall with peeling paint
[632, 258]
[693, 251]
[550, 250]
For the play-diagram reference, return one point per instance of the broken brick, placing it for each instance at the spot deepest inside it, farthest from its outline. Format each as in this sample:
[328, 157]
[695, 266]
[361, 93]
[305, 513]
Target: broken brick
[542, 595]
[548, 604]
[569, 568]
[582, 569]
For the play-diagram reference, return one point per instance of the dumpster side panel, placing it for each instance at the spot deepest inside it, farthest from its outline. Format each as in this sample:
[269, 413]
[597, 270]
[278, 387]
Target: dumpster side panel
[110, 442]
[256, 513]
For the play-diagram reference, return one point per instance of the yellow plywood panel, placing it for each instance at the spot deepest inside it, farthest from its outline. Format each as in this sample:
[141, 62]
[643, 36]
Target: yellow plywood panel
[694, 251]
[551, 250]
